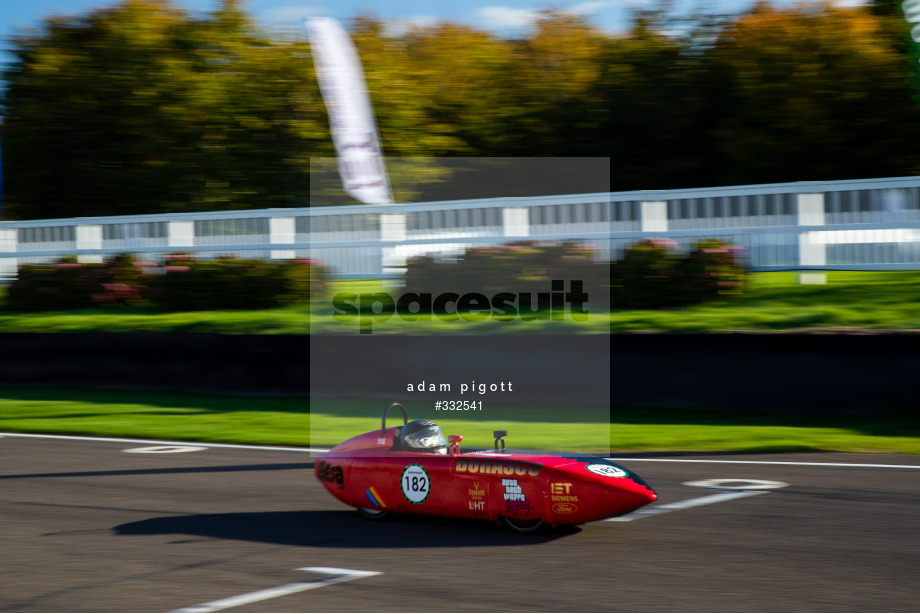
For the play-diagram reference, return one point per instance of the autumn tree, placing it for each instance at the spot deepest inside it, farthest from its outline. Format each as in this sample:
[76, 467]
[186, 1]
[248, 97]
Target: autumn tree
[142, 108]
[522, 109]
[658, 90]
[139, 108]
[813, 93]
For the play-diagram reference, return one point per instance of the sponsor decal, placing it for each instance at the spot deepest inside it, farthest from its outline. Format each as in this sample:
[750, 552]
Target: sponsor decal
[331, 474]
[565, 508]
[513, 491]
[607, 471]
[515, 500]
[517, 506]
[488, 466]
[374, 497]
[381, 441]
[415, 483]
[561, 491]
[476, 494]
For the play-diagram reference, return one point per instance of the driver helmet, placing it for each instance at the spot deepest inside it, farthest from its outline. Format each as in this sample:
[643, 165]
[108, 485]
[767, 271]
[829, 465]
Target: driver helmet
[423, 436]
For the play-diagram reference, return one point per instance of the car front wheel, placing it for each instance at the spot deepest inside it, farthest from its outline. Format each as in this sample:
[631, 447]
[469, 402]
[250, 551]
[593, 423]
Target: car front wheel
[372, 514]
[522, 526]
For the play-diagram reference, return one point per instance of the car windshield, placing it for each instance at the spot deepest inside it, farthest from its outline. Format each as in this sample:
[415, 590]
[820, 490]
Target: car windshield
[430, 437]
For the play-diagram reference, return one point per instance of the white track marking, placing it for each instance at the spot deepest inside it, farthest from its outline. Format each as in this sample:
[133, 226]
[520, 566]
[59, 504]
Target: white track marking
[165, 449]
[165, 443]
[680, 505]
[337, 575]
[290, 449]
[737, 462]
[743, 484]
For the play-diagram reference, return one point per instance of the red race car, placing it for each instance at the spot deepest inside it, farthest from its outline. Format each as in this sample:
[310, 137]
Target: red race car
[415, 469]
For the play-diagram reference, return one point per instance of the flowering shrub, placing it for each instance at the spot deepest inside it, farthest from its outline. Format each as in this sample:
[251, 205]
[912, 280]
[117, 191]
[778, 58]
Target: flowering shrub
[518, 267]
[68, 284]
[645, 277]
[652, 275]
[713, 270]
[178, 283]
[229, 283]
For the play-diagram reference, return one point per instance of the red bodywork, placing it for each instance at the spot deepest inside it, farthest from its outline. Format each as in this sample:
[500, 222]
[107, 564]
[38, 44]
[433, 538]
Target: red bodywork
[555, 487]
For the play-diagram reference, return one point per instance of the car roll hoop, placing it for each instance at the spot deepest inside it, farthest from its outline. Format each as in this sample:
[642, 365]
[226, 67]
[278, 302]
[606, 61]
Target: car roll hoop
[383, 419]
[500, 436]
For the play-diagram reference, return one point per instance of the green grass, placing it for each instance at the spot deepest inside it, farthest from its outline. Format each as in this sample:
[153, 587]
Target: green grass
[288, 422]
[155, 415]
[285, 321]
[775, 302]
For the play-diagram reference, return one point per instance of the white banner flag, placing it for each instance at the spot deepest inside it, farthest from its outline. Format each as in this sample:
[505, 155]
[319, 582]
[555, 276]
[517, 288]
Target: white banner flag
[351, 119]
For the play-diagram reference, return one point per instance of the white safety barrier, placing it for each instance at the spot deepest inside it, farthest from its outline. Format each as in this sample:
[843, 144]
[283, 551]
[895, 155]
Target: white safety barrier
[861, 224]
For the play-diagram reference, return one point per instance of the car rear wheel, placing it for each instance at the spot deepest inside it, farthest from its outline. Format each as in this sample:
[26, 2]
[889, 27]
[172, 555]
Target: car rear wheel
[522, 526]
[371, 513]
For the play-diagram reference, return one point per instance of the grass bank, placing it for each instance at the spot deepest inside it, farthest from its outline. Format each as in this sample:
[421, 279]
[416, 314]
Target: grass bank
[873, 300]
[274, 421]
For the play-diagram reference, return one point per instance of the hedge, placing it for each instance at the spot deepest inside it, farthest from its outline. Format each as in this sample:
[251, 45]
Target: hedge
[518, 267]
[178, 283]
[650, 274]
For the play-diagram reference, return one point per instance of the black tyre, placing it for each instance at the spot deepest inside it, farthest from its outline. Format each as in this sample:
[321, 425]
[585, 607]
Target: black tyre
[522, 526]
[372, 514]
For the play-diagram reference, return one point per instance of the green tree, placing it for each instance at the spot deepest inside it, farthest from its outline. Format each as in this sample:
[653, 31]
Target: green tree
[659, 96]
[465, 74]
[813, 93]
[513, 105]
[555, 71]
[139, 108]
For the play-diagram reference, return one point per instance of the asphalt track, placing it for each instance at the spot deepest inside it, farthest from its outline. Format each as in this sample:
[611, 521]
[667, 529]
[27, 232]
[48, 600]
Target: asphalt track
[87, 527]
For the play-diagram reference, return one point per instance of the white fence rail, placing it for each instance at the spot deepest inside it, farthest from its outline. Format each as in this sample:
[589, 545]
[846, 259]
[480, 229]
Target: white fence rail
[861, 224]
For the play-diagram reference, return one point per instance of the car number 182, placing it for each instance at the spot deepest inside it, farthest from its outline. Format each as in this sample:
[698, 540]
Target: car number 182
[415, 483]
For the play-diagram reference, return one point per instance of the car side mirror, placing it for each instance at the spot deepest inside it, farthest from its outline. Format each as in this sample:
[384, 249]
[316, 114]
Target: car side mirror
[454, 441]
[500, 436]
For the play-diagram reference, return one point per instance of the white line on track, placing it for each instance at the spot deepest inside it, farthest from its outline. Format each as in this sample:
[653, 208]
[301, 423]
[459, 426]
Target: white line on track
[165, 443]
[337, 575]
[737, 462]
[680, 505]
[288, 449]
